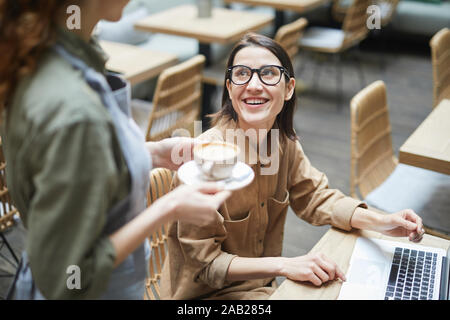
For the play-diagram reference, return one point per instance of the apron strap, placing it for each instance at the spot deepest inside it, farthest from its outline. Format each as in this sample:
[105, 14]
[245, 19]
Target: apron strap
[11, 290]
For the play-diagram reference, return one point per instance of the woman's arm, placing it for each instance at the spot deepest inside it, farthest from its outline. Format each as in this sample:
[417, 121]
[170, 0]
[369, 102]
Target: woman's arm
[312, 200]
[318, 268]
[405, 223]
[171, 153]
[315, 268]
[197, 205]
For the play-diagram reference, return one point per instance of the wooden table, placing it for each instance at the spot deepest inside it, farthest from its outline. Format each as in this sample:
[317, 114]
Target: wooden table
[429, 146]
[338, 246]
[225, 26]
[134, 63]
[280, 6]
[294, 5]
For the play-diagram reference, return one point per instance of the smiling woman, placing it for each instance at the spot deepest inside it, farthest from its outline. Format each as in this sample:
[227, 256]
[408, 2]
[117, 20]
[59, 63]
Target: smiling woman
[239, 256]
[273, 54]
[258, 100]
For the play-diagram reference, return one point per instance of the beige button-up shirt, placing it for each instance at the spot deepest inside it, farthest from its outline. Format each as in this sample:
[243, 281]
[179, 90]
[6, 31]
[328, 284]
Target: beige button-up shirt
[251, 222]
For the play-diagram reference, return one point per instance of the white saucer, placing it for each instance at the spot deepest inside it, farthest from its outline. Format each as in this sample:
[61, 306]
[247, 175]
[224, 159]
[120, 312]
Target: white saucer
[242, 175]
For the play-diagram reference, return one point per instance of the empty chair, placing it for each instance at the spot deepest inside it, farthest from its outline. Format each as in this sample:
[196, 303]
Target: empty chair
[289, 35]
[339, 9]
[336, 41]
[176, 102]
[440, 58]
[160, 181]
[387, 9]
[376, 175]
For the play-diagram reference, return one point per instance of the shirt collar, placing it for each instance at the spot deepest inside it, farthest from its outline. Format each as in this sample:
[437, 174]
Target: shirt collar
[89, 52]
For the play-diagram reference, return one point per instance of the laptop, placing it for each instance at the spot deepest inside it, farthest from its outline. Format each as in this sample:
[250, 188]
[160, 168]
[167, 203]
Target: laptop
[389, 270]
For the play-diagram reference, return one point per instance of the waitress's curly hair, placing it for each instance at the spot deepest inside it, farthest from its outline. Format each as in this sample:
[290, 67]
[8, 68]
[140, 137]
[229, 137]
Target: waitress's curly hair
[26, 31]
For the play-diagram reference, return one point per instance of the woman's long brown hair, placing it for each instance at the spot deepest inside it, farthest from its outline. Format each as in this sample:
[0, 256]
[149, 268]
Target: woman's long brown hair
[26, 31]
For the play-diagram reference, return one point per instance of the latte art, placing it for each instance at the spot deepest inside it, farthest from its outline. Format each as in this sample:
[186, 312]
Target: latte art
[213, 152]
[216, 160]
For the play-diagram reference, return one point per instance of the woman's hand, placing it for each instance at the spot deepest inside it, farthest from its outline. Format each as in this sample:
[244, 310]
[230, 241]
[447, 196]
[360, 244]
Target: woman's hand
[405, 223]
[171, 153]
[315, 268]
[194, 204]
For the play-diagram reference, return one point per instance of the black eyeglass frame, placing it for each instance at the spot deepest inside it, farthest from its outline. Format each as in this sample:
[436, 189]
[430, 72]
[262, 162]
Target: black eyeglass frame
[258, 72]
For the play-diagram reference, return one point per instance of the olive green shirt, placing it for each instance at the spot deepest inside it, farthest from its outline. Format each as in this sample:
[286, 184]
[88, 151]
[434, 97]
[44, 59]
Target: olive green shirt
[65, 171]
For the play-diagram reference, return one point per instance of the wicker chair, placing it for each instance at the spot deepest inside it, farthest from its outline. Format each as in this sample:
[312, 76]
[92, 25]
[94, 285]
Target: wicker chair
[338, 10]
[387, 10]
[376, 175]
[7, 209]
[289, 35]
[440, 57]
[176, 102]
[372, 155]
[336, 41]
[160, 182]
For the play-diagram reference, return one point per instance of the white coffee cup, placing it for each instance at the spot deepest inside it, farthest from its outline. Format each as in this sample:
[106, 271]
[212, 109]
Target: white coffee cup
[204, 8]
[216, 160]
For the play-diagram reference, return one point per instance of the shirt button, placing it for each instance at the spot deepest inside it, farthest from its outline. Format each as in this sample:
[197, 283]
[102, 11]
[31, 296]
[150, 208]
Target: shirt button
[262, 204]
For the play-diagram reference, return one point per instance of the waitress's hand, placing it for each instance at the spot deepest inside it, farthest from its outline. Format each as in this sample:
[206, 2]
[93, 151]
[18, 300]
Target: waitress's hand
[194, 204]
[171, 153]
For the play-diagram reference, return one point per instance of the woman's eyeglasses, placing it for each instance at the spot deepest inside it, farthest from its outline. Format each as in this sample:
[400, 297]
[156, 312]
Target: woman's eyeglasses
[269, 75]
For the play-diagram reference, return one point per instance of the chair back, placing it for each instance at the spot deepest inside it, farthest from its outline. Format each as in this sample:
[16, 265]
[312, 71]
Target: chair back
[388, 8]
[440, 58]
[289, 35]
[160, 182]
[7, 209]
[338, 10]
[177, 99]
[355, 23]
[372, 155]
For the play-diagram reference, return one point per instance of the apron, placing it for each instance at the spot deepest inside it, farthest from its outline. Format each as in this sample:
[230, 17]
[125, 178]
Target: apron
[127, 280]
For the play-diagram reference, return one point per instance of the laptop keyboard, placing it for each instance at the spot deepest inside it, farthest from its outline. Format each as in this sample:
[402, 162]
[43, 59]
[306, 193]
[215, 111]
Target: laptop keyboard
[412, 275]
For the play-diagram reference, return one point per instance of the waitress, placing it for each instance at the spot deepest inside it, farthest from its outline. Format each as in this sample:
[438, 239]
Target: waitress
[78, 165]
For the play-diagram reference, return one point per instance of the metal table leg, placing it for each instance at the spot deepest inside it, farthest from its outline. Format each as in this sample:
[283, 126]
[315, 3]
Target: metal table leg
[5, 241]
[208, 90]
[279, 21]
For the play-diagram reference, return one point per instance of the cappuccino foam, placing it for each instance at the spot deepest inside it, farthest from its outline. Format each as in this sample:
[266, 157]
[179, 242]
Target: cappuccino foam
[216, 152]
